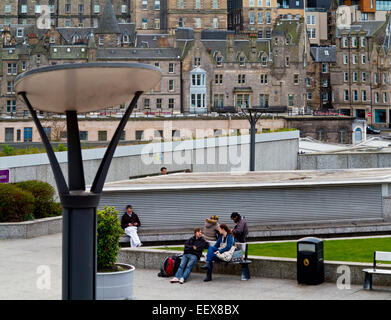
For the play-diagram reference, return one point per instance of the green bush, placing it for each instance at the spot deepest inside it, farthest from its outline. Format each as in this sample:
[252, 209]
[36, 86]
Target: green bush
[16, 205]
[109, 232]
[43, 193]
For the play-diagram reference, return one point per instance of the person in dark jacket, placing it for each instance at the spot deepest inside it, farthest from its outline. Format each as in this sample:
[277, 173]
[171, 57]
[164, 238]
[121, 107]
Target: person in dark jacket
[240, 231]
[191, 254]
[130, 223]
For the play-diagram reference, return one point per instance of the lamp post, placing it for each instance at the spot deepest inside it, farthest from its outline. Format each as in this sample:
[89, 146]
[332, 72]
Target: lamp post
[253, 114]
[73, 89]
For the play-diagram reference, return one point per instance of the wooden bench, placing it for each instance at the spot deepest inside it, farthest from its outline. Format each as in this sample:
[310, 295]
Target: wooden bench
[244, 263]
[378, 256]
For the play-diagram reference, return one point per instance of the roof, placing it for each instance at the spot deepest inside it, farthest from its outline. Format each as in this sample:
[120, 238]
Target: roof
[138, 53]
[108, 23]
[261, 179]
[324, 54]
[151, 40]
[213, 34]
[369, 27]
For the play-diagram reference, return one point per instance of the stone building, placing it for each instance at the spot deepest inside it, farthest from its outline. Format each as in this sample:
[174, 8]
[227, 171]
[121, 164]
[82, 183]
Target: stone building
[361, 78]
[197, 14]
[63, 13]
[255, 16]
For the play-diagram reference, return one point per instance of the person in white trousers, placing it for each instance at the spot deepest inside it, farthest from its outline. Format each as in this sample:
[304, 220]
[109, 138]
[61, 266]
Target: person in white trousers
[130, 223]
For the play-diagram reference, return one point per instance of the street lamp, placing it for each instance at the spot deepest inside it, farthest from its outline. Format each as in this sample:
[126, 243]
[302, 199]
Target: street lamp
[73, 89]
[253, 114]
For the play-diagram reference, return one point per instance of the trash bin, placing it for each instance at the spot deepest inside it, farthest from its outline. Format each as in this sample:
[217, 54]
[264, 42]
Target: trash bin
[310, 263]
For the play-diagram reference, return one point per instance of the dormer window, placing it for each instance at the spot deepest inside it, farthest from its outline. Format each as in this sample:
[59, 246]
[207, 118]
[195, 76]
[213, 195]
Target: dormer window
[242, 61]
[219, 61]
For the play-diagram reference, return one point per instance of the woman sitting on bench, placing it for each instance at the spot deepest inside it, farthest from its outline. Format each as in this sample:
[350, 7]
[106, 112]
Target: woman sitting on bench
[221, 251]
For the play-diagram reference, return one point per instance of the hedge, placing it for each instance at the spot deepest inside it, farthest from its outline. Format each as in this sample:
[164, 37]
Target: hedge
[16, 205]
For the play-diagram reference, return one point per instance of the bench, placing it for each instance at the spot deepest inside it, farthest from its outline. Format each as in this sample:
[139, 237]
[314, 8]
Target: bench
[378, 256]
[244, 263]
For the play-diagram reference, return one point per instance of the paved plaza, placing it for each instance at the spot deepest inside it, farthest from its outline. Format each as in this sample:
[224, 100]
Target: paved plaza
[31, 270]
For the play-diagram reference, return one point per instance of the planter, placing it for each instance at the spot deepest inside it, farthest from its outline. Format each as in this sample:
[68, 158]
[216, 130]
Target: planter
[115, 285]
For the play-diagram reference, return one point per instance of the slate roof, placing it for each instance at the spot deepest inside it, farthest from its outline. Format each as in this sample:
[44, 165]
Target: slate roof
[213, 34]
[108, 23]
[138, 53]
[370, 27]
[324, 54]
[184, 33]
[149, 40]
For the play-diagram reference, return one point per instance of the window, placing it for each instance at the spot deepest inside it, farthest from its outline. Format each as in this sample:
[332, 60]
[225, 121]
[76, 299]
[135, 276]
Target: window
[215, 4]
[290, 100]
[268, 17]
[197, 61]
[260, 3]
[67, 8]
[346, 95]
[309, 95]
[37, 8]
[83, 135]
[218, 101]
[380, 116]
[345, 59]
[24, 65]
[19, 32]
[219, 61]
[311, 33]
[144, 4]
[102, 135]
[23, 8]
[354, 59]
[139, 135]
[260, 18]
[311, 19]
[10, 87]
[218, 78]
[9, 134]
[242, 61]
[345, 77]
[11, 106]
[355, 76]
[171, 67]
[324, 68]
[354, 42]
[241, 78]
[146, 103]
[180, 23]
[363, 59]
[198, 23]
[251, 3]
[28, 134]
[171, 103]
[252, 18]
[355, 95]
[325, 83]
[264, 100]
[264, 79]
[159, 103]
[170, 85]
[295, 79]
[362, 42]
[96, 8]
[157, 5]
[376, 97]
[144, 23]
[181, 4]
[363, 95]
[363, 76]
[344, 42]
[384, 97]
[375, 78]
[243, 100]
[384, 78]
[12, 68]
[215, 23]
[81, 8]
[287, 61]
[198, 4]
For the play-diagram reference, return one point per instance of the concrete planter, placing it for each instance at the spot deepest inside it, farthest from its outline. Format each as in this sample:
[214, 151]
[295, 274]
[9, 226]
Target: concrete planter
[30, 229]
[115, 285]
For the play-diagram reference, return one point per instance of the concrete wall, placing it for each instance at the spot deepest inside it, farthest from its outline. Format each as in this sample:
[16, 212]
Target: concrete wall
[343, 161]
[274, 151]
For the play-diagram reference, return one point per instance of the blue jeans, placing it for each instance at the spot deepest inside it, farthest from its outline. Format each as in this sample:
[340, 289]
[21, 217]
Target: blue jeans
[187, 264]
[211, 256]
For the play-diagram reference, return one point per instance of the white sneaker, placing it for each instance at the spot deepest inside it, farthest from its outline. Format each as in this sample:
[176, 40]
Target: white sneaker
[181, 281]
[173, 280]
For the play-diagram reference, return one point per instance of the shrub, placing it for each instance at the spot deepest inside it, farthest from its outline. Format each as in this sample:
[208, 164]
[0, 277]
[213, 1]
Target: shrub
[43, 193]
[16, 205]
[109, 232]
